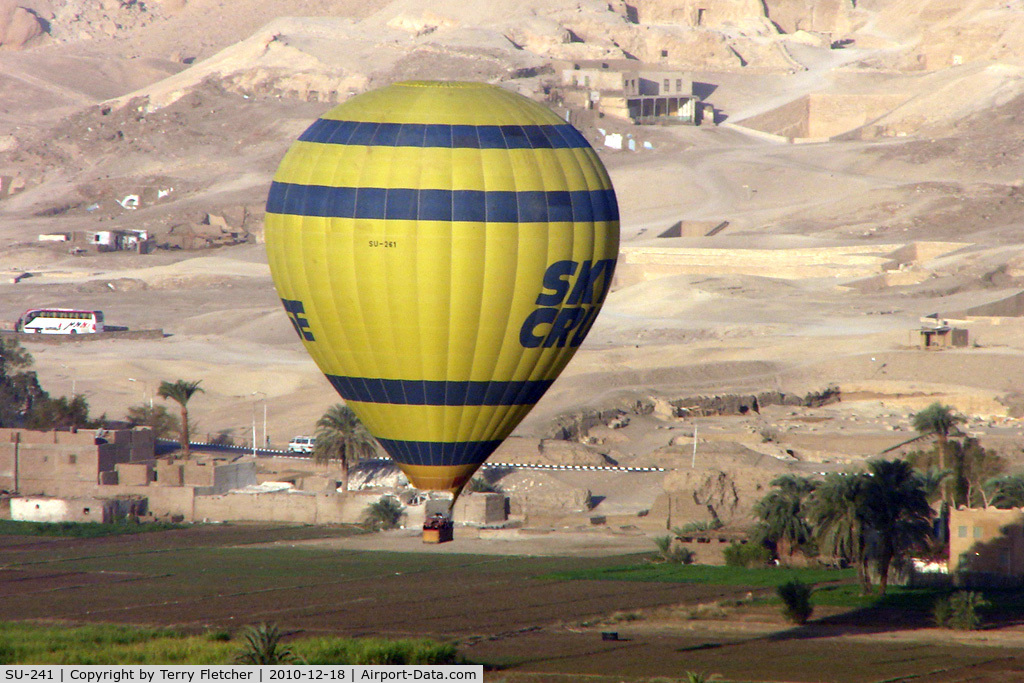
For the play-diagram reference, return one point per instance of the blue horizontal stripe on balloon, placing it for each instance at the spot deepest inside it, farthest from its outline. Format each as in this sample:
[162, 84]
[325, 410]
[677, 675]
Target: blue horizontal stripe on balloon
[330, 131]
[536, 206]
[439, 453]
[439, 393]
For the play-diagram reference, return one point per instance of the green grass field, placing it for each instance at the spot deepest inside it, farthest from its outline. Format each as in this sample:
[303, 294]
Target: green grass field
[81, 529]
[113, 644]
[832, 587]
[707, 574]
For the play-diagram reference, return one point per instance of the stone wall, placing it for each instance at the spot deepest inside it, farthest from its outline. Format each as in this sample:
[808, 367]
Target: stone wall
[167, 503]
[831, 114]
[639, 264]
[820, 116]
[78, 338]
[703, 13]
[293, 507]
[480, 509]
[77, 509]
[303, 507]
[791, 120]
[740, 404]
[825, 16]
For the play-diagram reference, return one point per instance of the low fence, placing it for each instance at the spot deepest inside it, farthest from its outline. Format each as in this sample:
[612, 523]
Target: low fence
[243, 450]
[91, 336]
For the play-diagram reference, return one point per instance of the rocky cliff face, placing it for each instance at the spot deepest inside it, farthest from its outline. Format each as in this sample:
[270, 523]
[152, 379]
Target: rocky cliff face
[824, 16]
[18, 25]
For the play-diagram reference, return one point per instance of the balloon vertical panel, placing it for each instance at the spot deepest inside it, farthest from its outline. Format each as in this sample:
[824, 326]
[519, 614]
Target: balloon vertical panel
[441, 250]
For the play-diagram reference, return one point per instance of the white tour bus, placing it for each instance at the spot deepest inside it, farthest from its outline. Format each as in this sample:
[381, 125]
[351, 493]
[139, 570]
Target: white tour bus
[60, 321]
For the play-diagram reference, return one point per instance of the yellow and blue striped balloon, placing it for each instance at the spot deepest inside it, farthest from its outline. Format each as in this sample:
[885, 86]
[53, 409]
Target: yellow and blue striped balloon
[442, 249]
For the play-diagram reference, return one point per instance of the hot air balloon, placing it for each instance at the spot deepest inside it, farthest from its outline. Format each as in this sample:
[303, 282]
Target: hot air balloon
[442, 249]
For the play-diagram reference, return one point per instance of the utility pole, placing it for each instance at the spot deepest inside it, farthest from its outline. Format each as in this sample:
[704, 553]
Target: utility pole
[17, 457]
[693, 461]
[254, 429]
[254, 395]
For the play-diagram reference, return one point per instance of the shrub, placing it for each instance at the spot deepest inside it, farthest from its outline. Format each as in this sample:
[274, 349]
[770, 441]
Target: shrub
[941, 612]
[672, 553]
[384, 514]
[959, 611]
[700, 677]
[481, 485]
[796, 601]
[263, 646]
[747, 555]
[81, 529]
[223, 438]
[691, 528]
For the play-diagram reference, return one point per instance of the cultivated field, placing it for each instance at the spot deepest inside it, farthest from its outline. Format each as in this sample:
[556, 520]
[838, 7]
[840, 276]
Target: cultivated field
[508, 612]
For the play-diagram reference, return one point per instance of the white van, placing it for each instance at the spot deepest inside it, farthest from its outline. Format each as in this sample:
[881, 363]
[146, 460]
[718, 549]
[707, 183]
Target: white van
[301, 444]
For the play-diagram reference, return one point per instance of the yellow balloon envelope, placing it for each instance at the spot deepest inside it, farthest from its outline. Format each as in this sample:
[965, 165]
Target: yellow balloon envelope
[442, 249]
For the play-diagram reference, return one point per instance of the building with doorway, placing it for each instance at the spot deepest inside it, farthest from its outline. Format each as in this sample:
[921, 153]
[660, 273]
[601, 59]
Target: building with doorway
[640, 96]
[939, 335]
[660, 97]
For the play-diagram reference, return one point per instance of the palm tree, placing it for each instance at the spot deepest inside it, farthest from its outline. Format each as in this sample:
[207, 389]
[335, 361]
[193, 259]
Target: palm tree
[835, 511]
[341, 436]
[385, 514]
[263, 646]
[896, 511]
[932, 480]
[782, 514]
[939, 420]
[180, 392]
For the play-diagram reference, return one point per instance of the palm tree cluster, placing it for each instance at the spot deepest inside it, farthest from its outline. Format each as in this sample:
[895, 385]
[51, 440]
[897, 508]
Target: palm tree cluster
[878, 517]
[964, 471]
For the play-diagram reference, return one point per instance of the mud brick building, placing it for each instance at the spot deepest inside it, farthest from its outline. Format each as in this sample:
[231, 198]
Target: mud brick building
[68, 463]
[986, 545]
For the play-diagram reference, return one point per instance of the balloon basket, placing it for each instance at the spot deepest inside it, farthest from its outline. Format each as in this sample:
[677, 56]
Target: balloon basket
[437, 529]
